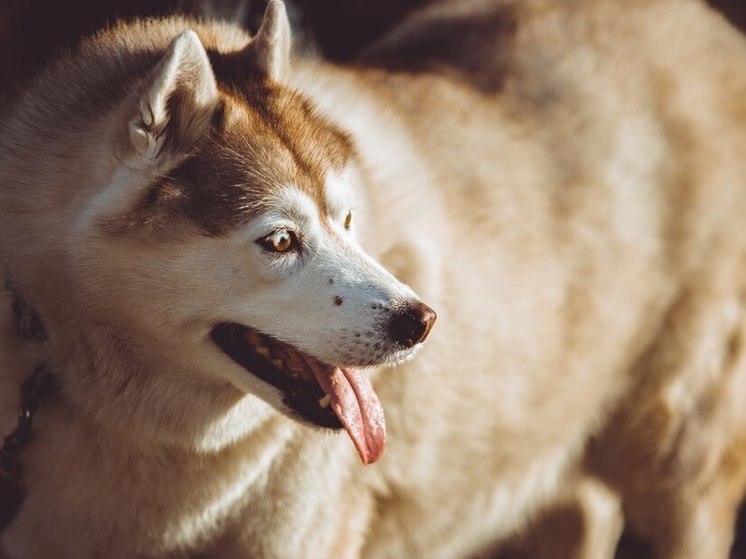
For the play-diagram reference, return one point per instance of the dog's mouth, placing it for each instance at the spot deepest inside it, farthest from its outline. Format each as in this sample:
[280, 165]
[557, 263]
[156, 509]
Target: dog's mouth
[321, 393]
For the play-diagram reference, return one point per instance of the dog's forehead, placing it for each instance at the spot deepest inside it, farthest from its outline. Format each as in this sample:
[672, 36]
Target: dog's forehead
[281, 143]
[266, 141]
[296, 204]
[338, 192]
[293, 204]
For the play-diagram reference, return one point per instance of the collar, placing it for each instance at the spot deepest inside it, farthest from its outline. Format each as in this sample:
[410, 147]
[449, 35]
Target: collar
[36, 386]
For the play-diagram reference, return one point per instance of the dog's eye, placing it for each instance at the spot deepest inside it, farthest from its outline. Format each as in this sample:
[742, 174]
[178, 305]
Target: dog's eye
[348, 220]
[281, 240]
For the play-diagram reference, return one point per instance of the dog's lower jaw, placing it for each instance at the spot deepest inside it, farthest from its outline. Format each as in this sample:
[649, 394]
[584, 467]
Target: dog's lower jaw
[318, 393]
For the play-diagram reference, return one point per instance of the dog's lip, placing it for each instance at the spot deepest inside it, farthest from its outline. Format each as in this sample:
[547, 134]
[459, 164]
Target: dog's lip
[300, 392]
[320, 393]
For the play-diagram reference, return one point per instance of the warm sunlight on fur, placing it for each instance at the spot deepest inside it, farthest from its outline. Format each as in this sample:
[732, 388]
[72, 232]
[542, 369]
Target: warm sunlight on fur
[411, 307]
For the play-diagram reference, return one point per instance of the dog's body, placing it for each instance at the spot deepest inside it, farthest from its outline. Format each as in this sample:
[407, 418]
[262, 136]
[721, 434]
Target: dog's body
[564, 182]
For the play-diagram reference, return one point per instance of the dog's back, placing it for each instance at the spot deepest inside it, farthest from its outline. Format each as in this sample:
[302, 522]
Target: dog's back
[589, 159]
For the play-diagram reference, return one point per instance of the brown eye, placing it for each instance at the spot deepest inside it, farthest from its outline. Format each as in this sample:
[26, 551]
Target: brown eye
[281, 240]
[348, 220]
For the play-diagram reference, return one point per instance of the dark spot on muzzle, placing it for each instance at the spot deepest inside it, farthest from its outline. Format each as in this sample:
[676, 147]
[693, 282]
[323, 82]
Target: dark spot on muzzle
[411, 325]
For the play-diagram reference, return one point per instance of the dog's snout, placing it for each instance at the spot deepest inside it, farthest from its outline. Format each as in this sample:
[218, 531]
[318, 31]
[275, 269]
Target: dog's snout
[412, 325]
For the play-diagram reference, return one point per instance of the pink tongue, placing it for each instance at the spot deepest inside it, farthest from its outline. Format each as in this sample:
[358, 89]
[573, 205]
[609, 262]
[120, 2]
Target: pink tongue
[357, 407]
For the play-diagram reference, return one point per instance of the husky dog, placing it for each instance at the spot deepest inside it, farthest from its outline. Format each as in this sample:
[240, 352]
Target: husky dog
[206, 235]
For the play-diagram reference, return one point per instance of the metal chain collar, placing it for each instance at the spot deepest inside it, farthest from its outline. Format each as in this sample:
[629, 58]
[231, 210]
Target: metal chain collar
[33, 389]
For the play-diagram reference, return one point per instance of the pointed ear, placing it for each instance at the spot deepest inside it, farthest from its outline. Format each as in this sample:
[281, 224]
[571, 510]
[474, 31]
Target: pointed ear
[178, 101]
[269, 50]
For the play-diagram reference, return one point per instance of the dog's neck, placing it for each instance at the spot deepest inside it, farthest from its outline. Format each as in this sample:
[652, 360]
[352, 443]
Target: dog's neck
[22, 335]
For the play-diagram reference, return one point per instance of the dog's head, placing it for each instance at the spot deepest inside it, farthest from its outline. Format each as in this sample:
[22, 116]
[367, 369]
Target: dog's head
[220, 249]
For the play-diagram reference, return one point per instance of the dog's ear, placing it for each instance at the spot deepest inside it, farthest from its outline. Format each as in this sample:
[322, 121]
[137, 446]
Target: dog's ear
[177, 103]
[269, 50]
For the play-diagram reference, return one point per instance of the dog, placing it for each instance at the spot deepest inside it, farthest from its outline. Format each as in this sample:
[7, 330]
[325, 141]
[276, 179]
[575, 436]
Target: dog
[232, 262]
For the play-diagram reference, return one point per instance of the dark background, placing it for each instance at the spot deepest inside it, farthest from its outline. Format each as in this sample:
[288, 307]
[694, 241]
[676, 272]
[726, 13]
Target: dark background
[31, 30]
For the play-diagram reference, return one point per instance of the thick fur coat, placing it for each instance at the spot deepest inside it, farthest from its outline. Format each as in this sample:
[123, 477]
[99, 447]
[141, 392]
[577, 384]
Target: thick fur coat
[563, 182]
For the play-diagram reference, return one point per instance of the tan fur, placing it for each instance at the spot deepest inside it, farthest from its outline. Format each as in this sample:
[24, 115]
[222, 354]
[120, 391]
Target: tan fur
[563, 182]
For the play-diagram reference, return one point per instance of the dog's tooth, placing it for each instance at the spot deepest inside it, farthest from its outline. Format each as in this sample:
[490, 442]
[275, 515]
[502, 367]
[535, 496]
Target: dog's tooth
[278, 363]
[325, 401]
[252, 337]
[294, 361]
[263, 351]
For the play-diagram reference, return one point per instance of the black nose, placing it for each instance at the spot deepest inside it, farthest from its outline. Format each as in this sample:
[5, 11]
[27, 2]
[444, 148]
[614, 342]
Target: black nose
[412, 325]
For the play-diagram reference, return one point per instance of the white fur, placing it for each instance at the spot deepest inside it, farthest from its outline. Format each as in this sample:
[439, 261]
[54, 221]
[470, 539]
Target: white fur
[293, 287]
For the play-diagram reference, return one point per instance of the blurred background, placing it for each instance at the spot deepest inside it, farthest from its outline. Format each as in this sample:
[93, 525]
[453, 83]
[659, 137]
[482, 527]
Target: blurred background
[33, 30]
